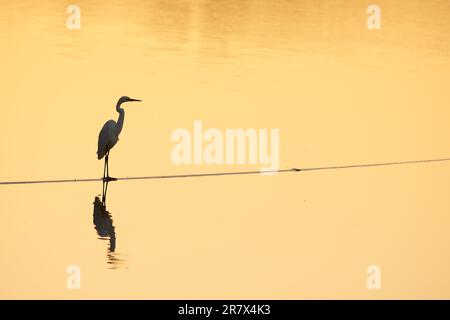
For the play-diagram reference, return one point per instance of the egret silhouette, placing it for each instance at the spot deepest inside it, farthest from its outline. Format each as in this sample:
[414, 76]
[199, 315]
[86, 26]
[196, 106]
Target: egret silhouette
[107, 139]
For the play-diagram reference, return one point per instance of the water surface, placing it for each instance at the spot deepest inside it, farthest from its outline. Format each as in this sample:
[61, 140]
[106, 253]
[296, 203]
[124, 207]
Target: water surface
[339, 94]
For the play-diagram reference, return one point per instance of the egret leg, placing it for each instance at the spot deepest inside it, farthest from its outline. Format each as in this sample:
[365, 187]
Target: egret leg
[104, 179]
[107, 165]
[104, 170]
[108, 178]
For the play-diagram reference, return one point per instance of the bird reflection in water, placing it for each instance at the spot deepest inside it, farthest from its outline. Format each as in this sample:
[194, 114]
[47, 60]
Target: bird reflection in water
[103, 224]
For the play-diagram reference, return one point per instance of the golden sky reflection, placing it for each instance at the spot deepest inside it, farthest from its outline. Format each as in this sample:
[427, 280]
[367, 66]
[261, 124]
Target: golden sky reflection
[339, 94]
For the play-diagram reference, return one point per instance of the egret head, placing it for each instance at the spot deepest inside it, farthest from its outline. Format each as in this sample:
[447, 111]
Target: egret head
[126, 99]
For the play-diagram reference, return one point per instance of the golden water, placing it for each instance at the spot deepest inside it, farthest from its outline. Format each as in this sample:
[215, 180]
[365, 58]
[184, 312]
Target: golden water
[339, 93]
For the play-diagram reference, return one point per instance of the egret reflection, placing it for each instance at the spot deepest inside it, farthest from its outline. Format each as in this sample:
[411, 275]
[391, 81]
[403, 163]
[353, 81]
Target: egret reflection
[103, 224]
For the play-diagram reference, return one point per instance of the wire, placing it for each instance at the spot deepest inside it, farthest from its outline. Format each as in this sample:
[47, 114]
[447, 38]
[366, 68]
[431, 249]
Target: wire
[197, 175]
[375, 164]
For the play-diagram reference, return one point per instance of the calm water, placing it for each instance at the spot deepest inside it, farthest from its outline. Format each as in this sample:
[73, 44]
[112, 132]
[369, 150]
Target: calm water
[339, 93]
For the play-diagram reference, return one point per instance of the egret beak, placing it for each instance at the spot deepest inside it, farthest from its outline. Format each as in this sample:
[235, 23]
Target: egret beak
[135, 100]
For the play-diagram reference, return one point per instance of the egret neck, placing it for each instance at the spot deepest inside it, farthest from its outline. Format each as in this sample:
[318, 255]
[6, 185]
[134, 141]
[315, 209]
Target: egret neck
[121, 117]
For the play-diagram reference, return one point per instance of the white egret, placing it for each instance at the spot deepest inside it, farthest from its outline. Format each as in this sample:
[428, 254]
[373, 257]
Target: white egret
[108, 137]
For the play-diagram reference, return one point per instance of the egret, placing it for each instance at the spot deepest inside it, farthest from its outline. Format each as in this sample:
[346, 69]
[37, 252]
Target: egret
[108, 137]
